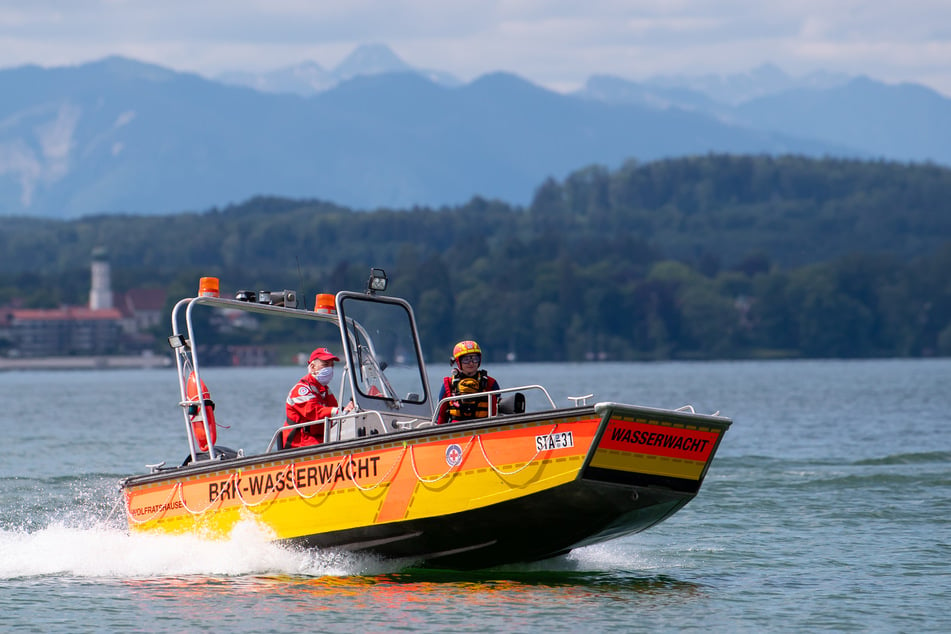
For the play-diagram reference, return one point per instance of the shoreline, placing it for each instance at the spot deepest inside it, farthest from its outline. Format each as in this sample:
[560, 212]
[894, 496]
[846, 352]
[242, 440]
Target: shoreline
[86, 363]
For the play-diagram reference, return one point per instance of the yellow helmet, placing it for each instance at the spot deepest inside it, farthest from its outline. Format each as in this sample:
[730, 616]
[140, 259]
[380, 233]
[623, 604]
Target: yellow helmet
[465, 347]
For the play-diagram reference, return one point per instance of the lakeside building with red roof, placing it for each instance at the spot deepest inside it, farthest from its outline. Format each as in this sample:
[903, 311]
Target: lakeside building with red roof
[105, 327]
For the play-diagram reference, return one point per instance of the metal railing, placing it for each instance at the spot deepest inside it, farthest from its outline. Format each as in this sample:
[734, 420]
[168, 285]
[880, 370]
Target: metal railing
[479, 395]
[333, 424]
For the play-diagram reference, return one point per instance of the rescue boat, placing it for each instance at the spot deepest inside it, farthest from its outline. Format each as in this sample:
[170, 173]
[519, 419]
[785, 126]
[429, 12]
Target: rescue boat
[531, 481]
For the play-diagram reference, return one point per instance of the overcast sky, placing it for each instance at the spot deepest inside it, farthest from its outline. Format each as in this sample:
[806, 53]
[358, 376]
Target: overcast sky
[555, 43]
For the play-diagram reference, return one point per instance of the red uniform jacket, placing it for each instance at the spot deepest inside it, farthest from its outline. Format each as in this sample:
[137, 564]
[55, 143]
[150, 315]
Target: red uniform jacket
[308, 401]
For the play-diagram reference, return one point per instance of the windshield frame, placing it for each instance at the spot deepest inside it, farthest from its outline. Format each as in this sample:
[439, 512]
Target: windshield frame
[350, 305]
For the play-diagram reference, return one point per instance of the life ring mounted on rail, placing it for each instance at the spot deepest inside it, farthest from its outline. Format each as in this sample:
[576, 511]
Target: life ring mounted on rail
[195, 412]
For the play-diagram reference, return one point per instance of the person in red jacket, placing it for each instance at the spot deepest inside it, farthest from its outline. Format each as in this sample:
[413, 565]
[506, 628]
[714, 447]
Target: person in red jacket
[467, 378]
[311, 400]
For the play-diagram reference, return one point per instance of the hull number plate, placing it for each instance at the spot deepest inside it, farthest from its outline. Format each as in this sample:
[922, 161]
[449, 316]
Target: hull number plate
[561, 440]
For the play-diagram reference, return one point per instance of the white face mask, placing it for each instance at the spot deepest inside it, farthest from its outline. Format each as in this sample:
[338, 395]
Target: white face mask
[324, 375]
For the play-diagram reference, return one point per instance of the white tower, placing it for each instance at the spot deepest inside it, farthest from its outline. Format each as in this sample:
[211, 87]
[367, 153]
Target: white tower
[100, 294]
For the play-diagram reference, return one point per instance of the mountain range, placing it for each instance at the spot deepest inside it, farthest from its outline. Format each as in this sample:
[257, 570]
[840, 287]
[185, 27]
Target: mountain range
[121, 136]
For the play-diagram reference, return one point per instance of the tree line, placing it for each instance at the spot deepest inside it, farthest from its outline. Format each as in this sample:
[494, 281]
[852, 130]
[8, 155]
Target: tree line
[703, 257]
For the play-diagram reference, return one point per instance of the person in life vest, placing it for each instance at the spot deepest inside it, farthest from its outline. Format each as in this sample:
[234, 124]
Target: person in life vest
[311, 400]
[467, 378]
[195, 412]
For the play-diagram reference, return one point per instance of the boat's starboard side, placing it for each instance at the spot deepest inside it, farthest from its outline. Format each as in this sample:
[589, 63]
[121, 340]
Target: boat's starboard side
[450, 470]
[497, 491]
[644, 446]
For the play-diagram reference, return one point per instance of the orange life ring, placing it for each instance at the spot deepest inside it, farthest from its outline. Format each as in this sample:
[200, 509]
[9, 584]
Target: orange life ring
[194, 413]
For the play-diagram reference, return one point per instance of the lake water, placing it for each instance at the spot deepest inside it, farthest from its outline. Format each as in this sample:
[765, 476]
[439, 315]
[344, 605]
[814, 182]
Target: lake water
[828, 508]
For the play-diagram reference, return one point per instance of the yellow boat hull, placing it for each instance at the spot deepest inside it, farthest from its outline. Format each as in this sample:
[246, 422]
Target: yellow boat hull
[471, 495]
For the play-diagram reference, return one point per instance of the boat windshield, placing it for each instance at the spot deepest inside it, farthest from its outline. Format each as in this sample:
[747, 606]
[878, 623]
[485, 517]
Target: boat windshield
[383, 349]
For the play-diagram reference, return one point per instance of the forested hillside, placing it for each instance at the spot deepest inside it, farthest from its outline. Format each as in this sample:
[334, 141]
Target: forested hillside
[705, 257]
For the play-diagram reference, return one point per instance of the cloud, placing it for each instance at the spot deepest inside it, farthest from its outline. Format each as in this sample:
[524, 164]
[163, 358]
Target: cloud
[553, 42]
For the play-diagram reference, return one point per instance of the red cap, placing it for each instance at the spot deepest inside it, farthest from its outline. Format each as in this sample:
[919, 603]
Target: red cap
[323, 354]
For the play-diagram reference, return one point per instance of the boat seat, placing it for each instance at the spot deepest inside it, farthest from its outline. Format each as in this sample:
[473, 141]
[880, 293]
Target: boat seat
[512, 404]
